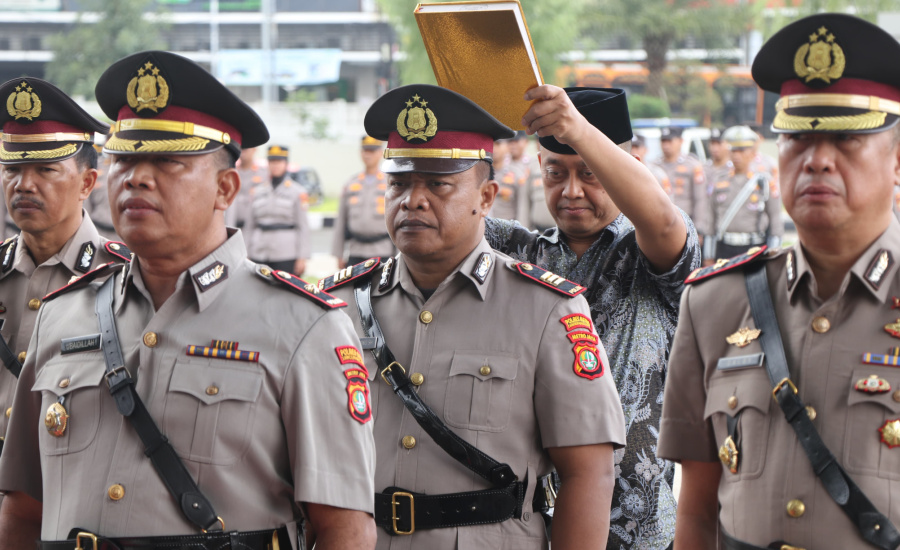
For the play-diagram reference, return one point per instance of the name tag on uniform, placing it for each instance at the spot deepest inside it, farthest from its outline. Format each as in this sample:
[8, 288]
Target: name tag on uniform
[90, 342]
[741, 361]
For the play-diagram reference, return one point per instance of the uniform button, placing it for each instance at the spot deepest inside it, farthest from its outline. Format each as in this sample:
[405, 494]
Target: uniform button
[8, 412]
[64, 383]
[212, 390]
[116, 492]
[426, 317]
[34, 303]
[21, 357]
[897, 396]
[526, 516]
[732, 402]
[796, 508]
[265, 271]
[408, 442]
[811, 412]
[417, 378]
[151, 339]
[485, 370]
[821, 325]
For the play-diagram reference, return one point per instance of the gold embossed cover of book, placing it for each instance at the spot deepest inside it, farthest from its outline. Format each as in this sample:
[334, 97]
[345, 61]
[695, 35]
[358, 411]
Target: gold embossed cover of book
[483, 51]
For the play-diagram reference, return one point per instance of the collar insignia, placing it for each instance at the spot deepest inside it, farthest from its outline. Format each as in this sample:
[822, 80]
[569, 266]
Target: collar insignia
[211, 276]
[790, 269]
[417, 121]
[882, 262]
[820, 59]
[743, 337]
[85, 258]
[386, 274]
[483, 267]
[24, 103]
[147, 90]
[9, 256]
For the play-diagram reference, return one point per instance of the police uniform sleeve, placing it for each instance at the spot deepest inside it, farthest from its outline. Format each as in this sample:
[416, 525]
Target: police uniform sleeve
[302, 222]
[575, 398]
[20, 466]
[327, 418]
[685, 433]
[340, 227]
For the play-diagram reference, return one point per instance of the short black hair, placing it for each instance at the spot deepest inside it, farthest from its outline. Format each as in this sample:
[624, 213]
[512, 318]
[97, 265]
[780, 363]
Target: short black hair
[489, 175]
[86, 157]
[225, 159]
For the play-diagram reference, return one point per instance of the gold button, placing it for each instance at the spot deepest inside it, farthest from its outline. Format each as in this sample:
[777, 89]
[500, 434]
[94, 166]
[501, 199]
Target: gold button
[527, 267]
[212, 390]
[21, 357]
[114, 246]
[732, 402]
[417, 378]
[8, 412]
[34, 303]
[408, 442]
[64, 383]
[426, 317]
[811, 412]
[897, 396]
[151, 339]
[796, 508]
[485, 370]
[265, 271]
[821, 325]
[116, 492]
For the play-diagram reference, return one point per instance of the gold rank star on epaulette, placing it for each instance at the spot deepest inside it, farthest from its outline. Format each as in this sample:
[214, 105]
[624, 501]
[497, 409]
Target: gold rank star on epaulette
[299, 286]
[119, 250]
[549, 279]
[348, 274]
[723, 265]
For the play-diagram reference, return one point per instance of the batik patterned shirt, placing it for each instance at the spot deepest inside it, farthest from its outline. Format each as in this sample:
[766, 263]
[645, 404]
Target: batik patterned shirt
[635, 312]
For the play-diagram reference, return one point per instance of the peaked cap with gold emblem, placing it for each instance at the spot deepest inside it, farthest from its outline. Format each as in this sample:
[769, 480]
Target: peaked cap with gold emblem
[830, 72]
[166, 103]
[41, 123]
[432, 129]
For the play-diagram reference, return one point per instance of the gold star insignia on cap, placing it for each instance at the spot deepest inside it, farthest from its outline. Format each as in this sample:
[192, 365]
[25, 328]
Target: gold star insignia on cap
[743, 337]
[23, 103]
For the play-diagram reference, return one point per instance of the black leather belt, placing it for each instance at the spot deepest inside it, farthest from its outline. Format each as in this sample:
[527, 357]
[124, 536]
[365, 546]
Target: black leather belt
[365, 239]
[267, 539]
[275, 226]
[729, 543]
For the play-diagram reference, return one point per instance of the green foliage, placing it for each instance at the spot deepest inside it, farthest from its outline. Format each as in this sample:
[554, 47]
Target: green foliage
[645, 106]
[776, 19]
[311, 125]
[689, 96]
[80, 55]
[554, 25]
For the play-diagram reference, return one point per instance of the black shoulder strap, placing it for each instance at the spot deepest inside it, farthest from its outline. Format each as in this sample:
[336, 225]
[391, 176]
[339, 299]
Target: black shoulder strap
[873, 526]
[195, 507]
[8, 357]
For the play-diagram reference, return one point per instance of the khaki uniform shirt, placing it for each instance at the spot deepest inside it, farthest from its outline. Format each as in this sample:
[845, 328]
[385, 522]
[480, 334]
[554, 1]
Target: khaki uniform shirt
[761, 212]
[530, 399]
[824, 345]
[689, 189]
[361, 215]
[713, 173]
[284, 205]
[251, 176]
[257, 437]
[661, 177]
[97, 204]
[510, 201]
[8, 227]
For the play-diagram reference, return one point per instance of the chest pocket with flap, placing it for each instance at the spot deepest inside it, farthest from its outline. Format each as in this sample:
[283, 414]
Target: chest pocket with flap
[752, 401]
[480, 390]
[864, 453]
[210, 409]
[78, 379]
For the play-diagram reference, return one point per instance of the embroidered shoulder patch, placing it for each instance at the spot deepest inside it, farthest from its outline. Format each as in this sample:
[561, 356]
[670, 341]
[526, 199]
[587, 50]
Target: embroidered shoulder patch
[349, 273]
[358, 394]
[723, 265]
[587, 360]
[575, 321]
[119, 250]
[549, 279]
[581, 336]
[83, 281]
[299, 286]
[349, 354]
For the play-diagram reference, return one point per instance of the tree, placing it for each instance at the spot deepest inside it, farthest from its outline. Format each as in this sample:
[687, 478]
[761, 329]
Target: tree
[553, 24]
[81, 54]
[657, 25]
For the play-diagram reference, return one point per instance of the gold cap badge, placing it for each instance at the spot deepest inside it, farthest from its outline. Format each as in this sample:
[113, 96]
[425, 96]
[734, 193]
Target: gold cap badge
[743, 337]
[820, 59]
[416, 121]
[148, 90]
[23, 103]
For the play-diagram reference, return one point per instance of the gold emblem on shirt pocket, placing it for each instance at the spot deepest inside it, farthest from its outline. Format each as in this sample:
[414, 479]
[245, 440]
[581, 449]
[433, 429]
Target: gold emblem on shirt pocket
[480, 389]
[747, 395]
[864, 453]
[79, 381]
[210, 409]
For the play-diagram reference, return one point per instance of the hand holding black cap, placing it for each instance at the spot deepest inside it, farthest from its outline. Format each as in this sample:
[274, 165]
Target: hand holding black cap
[604, 108]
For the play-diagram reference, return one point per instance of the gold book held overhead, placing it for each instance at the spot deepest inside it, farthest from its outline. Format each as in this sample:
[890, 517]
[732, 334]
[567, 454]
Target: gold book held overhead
[483, 51]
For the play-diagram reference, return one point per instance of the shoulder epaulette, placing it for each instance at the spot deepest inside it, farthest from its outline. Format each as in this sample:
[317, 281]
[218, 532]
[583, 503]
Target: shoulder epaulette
[722, 265]
[119, 250]
[297, 285]
[349, 273]
[549, 279]
[80, 282]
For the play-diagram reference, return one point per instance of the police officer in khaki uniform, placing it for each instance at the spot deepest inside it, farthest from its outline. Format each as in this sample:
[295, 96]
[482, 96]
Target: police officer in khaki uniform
[687, 178]
[747, 458]
[253, 425]
[719, 166]
[503, 353]
[276, 227]
[359, 231]
[510, 203]
[745, 206]
[252, 174]
[48, 170]
[639, 150]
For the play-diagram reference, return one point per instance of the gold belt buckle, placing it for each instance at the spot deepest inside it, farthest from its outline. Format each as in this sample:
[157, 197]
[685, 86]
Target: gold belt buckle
[79, 536]
[412, 510]
[788, 546]
[387, 368]
[774, 393]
